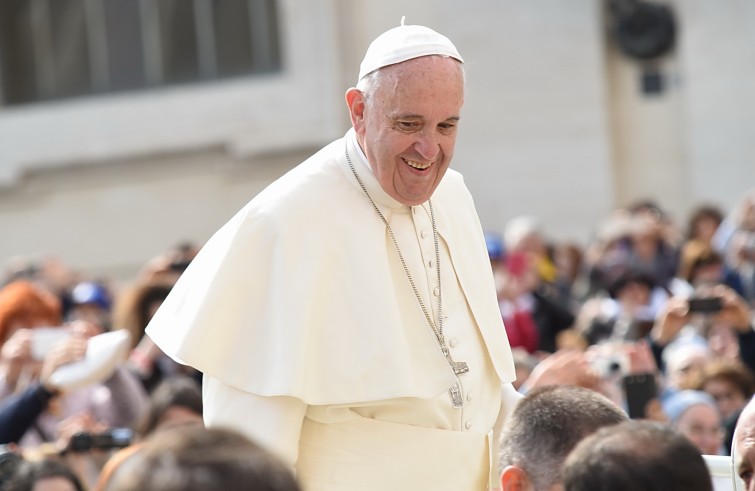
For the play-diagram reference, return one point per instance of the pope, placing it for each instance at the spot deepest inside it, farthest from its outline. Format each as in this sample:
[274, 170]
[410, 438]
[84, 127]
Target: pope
[346, 318]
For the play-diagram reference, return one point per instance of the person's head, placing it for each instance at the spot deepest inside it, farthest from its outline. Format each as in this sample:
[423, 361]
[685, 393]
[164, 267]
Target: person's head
[405, 110]
[695, 415]
[23, 305]
[91, 301]
[744, 214]
[730, 384]
[546, 424]
[685, 358]
[700, 265]
[629, 284]
[199, 459]
[136, 306]
[636, 456]
[703, 223]
[525, 234]
[43, 475]
[743, 448]
[176, 401]
[495, 247]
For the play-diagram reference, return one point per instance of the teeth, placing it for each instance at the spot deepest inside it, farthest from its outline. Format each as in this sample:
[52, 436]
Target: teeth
[417, 165]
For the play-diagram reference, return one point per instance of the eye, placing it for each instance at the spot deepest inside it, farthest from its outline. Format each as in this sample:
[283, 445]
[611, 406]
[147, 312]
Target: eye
[447, 127]
[408, 125]
[746, 476]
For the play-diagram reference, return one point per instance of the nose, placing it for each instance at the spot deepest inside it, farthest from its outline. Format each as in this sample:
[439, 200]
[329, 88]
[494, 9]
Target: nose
[427, 145]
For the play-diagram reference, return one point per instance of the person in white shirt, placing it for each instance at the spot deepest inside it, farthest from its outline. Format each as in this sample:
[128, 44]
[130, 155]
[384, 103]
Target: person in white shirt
[346, 318]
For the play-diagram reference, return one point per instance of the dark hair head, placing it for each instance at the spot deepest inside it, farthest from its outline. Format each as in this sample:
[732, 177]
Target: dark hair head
[636, 456]
[704, 212]
[198, 459]
[618, 279]
[172, 392]
[547, 423]
[132, 308]
[694, 257]
[29, 473]
[732, 372]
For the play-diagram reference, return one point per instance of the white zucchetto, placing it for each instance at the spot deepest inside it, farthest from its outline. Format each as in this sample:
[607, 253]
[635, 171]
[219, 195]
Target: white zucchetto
[405, 43]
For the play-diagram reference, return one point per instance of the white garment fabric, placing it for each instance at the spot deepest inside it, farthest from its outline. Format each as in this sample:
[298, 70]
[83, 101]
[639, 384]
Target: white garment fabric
[300, 308]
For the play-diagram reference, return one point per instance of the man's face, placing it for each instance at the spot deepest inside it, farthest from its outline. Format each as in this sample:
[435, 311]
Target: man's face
[744, 441]
[407, 126]
[729, 398]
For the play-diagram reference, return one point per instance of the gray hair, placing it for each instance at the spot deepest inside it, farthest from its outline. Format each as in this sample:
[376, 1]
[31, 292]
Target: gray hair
[371, 82]
[547, 423]
[636, 456]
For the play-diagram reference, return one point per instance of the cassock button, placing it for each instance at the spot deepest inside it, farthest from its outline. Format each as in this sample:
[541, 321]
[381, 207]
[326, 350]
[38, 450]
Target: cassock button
[467, 424]
[423, 234]
[436, 291]
[430, 264]
[469, 397]
[453, 342]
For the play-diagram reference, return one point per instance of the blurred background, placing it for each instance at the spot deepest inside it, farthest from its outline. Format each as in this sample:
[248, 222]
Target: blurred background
[127, 127]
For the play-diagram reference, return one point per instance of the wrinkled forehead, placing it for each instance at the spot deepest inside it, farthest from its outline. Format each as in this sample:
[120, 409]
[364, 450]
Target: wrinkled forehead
[430, 66]
[744, 433]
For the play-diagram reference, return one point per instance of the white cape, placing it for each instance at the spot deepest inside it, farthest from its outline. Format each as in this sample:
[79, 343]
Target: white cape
[294, 295]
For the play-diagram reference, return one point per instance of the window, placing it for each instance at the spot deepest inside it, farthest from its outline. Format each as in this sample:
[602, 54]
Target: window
[54, 49]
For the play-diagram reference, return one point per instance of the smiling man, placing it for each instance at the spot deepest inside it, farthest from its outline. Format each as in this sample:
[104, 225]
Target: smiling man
[346, 318]
[743, 447]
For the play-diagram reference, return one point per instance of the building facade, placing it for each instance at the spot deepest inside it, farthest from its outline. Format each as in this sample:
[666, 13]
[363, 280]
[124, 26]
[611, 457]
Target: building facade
[124, 130]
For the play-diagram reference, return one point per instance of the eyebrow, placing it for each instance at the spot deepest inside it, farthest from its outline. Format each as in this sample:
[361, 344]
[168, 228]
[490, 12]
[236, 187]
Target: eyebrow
[417, 116]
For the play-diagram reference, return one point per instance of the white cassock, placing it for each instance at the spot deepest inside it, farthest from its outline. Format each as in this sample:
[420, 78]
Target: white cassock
[312, 341]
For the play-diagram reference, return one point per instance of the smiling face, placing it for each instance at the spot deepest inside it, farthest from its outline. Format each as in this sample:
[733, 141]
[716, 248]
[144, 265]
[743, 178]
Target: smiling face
[744, 445]
[701, 424]
[406, 124]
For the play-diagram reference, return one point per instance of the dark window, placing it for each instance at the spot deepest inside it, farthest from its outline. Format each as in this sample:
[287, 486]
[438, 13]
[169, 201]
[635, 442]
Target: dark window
[54, 49]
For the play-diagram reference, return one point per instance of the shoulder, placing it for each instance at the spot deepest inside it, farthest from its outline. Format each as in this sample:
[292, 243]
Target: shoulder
[453, 193]
[312, 197]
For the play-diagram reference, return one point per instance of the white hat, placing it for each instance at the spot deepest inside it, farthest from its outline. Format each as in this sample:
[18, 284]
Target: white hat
[405, 43]
[104, 353]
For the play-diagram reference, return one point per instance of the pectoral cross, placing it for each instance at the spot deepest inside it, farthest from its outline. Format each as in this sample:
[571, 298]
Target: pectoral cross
[456, 399]
[458, 367]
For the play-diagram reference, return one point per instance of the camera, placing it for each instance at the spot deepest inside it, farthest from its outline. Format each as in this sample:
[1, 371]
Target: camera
[609, 363]
[705, 305]
[44, 339]
[108, 440]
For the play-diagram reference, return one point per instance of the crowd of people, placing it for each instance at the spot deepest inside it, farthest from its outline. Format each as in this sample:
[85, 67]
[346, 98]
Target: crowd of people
[592, 319]
[324, 364]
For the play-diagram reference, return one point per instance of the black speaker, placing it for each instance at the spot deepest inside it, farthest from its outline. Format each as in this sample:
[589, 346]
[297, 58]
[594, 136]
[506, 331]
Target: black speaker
[643, 30]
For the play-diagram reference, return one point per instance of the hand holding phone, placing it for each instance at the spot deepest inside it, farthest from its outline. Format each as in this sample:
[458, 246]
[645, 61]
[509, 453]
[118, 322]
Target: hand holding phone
[639, 390]
[705, 305]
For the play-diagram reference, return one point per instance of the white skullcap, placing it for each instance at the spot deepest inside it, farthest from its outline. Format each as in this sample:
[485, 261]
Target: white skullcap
[405, 43]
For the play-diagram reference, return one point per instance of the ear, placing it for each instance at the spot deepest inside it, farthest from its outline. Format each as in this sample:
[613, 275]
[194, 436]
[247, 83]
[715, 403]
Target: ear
[355, 101]
[514, 478]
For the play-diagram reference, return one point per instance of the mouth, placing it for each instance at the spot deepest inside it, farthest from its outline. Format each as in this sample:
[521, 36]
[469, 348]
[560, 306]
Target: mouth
[417, 165]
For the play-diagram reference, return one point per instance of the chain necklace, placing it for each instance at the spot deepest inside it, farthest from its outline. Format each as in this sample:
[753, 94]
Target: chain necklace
[458, 367]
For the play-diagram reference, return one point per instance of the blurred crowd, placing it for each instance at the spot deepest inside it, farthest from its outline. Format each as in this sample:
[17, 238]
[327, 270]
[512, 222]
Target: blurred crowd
[655, 315]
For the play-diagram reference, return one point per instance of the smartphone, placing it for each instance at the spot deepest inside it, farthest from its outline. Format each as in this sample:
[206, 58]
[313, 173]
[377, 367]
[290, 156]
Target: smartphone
[43, 339]
[639, 389]
[705, 304]
[111, 439]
